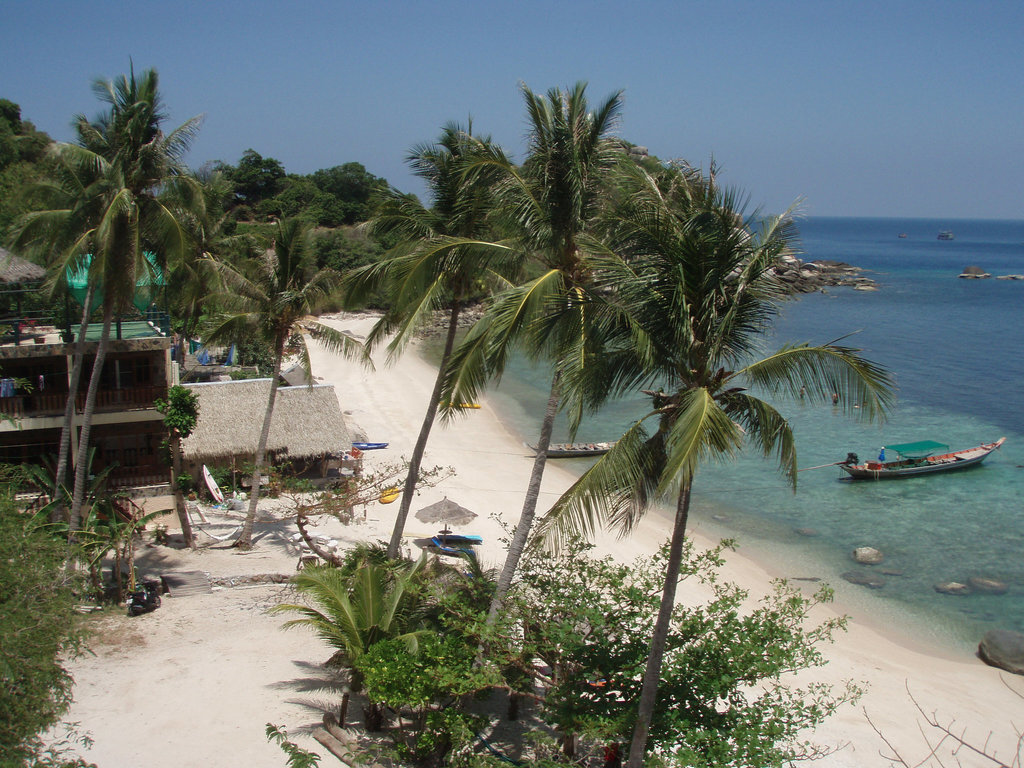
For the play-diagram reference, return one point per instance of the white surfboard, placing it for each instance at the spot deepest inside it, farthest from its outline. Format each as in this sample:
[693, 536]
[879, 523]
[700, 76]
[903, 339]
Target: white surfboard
[212, 485]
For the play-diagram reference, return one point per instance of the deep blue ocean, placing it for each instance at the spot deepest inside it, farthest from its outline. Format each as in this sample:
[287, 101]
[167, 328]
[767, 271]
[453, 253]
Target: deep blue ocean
[956, 349]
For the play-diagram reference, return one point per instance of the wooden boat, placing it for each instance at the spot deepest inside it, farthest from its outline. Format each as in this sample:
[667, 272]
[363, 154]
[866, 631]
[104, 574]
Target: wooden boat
[459, 539]
[369, 446]
[212, 486]
[921, 458]
[575, 450]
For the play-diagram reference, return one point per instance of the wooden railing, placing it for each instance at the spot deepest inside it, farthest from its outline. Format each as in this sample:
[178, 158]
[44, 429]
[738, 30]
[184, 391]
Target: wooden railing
[34, 404]
[52, 404]
[131, 398]
[137, 477]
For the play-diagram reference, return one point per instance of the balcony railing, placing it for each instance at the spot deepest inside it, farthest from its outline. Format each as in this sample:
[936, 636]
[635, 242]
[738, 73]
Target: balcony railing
[52, 403]
[130, 398]
[34, 404]
[137, 477]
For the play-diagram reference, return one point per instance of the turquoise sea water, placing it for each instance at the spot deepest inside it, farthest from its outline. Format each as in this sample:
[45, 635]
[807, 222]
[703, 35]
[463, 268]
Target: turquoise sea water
[956, 348]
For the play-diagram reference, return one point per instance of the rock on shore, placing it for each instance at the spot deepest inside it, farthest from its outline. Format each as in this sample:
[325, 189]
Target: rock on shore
[810, 276]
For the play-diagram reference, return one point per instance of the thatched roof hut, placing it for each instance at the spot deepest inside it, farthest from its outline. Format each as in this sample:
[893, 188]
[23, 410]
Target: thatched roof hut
[307, 422]
[15, 270]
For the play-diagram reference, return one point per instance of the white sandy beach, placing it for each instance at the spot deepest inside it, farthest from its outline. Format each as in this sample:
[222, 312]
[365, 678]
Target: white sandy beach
[195, 682]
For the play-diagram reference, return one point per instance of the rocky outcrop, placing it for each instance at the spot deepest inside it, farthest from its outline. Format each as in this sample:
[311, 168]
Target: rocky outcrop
[810, 276]
[1004, 649]
[974, 273]
[952, 588]
[868, 555]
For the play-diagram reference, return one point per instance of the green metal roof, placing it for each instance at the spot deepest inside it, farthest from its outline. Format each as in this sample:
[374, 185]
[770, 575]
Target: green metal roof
[130, 329]
[919, 449]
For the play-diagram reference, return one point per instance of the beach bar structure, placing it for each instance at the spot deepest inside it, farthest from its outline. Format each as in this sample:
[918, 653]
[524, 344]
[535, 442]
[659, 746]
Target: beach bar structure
[307, 428]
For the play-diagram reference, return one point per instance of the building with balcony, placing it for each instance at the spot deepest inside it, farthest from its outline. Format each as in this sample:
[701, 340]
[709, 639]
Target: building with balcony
[126, 427]
[35, 373]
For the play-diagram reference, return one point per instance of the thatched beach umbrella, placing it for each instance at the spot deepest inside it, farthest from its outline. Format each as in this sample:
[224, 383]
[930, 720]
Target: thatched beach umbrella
[446, 511]
[15, 270]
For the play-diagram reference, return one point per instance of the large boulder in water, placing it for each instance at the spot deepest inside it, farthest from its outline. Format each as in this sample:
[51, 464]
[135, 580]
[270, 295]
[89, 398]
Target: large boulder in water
[864, 579]
[868, 555]
[987, 586]
[952, 588]
[974, 273]
[1004, 649]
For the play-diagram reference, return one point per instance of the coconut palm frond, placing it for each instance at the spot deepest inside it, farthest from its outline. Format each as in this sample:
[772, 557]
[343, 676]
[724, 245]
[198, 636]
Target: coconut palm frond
[612, 493]
[866, 387]
[700, 429]
[766, 428]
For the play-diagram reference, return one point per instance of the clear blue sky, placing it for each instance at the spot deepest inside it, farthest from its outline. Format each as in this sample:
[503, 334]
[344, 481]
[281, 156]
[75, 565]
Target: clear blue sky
[860, 108]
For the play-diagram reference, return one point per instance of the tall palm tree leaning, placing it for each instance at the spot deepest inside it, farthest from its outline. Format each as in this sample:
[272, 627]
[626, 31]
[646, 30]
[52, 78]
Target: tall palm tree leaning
[273, 297]
[443, 258]
[701, 288]
[111, 179]
[549, 205]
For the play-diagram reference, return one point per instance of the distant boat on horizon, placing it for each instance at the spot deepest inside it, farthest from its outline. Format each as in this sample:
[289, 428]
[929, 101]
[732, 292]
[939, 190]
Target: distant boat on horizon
[946, 234]
[902, 235]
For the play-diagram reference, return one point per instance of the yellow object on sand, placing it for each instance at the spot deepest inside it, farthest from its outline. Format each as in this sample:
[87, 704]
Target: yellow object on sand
[388, 495]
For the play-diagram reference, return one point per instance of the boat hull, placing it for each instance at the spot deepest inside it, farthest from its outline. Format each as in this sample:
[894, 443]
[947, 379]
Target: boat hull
[946, 462]
[575, 450]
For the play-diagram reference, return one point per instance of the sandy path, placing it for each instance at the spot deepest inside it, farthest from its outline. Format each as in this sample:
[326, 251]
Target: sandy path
[195, 682]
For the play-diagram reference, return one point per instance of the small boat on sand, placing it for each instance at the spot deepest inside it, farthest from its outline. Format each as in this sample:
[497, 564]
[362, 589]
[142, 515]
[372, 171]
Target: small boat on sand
[920, 458]
[575, 450]
[369, 446]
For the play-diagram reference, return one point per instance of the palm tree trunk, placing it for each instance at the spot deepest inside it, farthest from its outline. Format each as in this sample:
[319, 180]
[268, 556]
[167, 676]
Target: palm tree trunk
[179, 497]
[652, 675]
[522, 532]
[421, 442]
[82, 460]
[78, 363]
[244, 540]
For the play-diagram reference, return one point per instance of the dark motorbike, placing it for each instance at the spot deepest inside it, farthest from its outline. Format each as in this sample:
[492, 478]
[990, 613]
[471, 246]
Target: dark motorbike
[144, 600]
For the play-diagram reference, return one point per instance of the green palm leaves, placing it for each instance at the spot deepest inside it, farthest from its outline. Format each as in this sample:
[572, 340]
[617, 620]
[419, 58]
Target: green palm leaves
[273, 297]
[695, 286]
[352, 612]
[698, 281]
[443, 258]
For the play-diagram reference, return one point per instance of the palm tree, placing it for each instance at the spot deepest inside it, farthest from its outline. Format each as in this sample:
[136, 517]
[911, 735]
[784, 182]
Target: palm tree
[189, 281]
[273, 297]
[442, 260]
[550, 205]
[111, 179]
[701, 288]
[377, 601]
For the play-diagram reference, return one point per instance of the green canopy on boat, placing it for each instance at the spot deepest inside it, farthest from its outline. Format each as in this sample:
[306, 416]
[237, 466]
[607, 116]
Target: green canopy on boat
[145, 293]
[917, 450]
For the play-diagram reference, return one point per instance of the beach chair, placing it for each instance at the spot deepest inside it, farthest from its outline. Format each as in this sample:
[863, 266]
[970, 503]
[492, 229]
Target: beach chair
[444, 549]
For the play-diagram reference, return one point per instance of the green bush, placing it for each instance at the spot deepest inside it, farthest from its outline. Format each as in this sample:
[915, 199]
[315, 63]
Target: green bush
[39, 631]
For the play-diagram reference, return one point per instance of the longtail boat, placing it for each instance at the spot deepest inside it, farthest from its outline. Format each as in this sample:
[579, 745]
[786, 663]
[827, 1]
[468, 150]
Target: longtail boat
[575, 450]
[920, 458]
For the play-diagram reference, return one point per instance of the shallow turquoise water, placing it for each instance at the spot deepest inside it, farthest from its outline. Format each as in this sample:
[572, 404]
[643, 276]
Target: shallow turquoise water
[956, 348]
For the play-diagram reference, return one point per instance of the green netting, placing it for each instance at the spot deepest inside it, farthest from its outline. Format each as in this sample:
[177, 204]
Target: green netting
[919, 449]
[145, 293]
